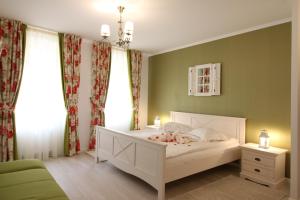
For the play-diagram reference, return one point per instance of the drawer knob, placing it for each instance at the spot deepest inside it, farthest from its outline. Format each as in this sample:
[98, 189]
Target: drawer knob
[257, 170]
[257, 159]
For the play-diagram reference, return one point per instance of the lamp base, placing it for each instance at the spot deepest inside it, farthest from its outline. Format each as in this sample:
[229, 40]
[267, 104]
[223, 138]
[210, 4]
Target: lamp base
[262, 147]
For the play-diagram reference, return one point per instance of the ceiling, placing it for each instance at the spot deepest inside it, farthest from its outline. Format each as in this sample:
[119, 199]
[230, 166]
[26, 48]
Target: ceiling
[160, 25]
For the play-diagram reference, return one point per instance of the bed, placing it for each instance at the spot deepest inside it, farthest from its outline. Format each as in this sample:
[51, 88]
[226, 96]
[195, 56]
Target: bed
[148, 160]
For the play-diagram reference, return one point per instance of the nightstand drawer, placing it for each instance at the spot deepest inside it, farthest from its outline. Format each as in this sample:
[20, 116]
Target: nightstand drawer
[257, 170]
[265, 166]
[257, 158]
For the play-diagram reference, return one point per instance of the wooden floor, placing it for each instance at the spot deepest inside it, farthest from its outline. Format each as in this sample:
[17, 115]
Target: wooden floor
[82, 179]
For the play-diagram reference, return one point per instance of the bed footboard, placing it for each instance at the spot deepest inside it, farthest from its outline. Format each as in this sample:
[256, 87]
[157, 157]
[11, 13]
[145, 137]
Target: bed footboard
[142, 158]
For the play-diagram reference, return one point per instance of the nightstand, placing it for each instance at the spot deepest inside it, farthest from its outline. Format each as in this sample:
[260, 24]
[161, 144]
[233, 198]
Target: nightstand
[265, 166]
[153, 126]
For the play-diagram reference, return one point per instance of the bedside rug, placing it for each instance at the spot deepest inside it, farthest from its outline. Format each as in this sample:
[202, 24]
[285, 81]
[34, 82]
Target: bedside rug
[233, 188]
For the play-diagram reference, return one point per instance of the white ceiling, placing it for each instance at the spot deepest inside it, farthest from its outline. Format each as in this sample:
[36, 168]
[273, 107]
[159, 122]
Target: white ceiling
[160, 25]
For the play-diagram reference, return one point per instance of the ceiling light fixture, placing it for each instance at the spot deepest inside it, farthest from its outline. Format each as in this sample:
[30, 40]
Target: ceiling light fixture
[124, 33]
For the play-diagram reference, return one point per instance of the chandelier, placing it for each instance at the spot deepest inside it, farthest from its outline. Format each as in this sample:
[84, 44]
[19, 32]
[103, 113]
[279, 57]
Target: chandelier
[124, 33]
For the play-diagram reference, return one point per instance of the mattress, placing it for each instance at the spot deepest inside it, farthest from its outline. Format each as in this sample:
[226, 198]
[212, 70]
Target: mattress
[197, 161]
[175, 150]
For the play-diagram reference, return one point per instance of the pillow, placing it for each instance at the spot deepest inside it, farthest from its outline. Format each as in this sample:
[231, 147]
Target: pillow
[208, 135]
[172, 127]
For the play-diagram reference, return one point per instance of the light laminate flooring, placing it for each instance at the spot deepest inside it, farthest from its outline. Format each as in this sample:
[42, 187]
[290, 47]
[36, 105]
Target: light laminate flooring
[83, 179]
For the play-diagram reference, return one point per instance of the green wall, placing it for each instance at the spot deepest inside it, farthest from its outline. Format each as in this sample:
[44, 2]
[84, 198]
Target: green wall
[255, 81]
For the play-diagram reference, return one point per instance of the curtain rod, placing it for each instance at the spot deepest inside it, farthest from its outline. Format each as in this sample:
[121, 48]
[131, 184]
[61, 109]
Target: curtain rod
[117, 47]
[55, 32]
[42, 29]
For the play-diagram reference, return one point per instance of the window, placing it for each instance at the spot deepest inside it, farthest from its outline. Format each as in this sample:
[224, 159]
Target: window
[118, 108]
[40, 111]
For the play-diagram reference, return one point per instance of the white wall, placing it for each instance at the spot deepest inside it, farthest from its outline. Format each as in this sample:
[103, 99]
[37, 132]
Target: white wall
[84, 108]
[144, 93]
[295, 102]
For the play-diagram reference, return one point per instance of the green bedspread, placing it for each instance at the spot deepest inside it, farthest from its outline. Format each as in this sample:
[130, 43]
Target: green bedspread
[28, 179]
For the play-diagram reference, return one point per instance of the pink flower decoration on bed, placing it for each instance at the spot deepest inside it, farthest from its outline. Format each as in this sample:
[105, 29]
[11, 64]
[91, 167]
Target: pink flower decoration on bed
[171, 137]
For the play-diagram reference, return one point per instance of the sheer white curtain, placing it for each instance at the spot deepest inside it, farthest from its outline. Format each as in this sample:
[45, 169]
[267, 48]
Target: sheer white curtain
[118, 108]
[40, 111]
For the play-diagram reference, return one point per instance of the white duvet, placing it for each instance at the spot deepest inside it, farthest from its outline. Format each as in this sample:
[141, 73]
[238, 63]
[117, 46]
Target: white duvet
[174, 150]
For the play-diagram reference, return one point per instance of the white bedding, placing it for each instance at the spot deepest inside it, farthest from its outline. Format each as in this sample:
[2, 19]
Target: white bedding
[174, 150]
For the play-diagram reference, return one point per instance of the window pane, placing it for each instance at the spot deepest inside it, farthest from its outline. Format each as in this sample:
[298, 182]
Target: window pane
[118, 108]
[40, 111]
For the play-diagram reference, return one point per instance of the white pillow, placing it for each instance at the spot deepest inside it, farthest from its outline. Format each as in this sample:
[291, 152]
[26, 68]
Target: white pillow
[171, 127]
[208, 135]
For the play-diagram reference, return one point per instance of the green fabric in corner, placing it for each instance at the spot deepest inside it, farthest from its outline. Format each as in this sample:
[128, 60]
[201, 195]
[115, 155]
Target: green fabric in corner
[24, 28]
[24, 177]
[28, 179]
[61, 52]
[18, 165]
[47, 189]
[130, 85]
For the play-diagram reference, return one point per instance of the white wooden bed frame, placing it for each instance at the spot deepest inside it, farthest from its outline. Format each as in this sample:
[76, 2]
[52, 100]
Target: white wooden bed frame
[147, 160]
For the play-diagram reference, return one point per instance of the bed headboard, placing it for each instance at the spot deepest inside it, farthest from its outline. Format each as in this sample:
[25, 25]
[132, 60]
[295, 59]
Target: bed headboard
[231, 126]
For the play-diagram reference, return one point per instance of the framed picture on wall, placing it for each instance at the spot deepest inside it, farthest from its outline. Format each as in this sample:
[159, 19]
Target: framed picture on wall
[204, 80]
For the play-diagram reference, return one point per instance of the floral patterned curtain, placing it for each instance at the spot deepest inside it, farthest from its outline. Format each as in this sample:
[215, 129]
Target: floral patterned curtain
[135, 67]
[70, 46]
[12, 45]
[101, 56]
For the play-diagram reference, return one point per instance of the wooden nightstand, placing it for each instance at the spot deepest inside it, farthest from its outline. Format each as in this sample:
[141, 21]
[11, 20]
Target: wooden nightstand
[265, 166]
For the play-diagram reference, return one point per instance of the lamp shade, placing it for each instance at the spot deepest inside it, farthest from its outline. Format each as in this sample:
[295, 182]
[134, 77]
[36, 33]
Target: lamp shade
[264, 139]
[105, 30]
[128, 29]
